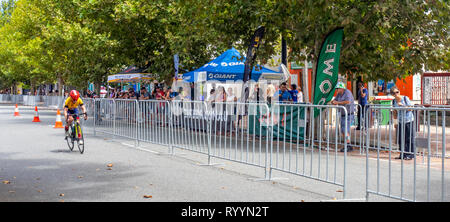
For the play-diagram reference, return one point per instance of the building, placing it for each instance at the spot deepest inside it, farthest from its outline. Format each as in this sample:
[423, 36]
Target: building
[410, 86]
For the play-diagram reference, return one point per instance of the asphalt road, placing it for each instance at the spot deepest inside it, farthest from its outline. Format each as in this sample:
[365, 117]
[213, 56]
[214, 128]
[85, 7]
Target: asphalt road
[37, 166]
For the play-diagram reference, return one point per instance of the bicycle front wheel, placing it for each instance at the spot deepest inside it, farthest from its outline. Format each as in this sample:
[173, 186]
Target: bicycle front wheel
[69, 139]
[80, 139]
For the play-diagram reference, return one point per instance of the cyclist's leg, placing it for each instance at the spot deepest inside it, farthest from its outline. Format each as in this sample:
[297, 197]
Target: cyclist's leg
[70, 117]
[69, 120]
[77, 119]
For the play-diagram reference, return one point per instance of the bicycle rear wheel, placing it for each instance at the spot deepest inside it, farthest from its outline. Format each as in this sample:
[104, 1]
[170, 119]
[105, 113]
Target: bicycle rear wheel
[69, 139]
[80, 138]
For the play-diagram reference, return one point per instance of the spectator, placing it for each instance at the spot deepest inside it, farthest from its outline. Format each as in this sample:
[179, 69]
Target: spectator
[231, 97]
[270, 93]
[221, 95]
[154, 93]
[171, 95]
[230, 107]
[179, 95]
[257, 94]
[192, 97]
[144, 95]
[118, 95]
[159, 94]
[300, 95]
[362, 100]
[345, 98]
[405, 118]
[294, 93]
[132, 94]
[283, 94]
[112, 94]
[89, 94]
[212, 98]
[125, 95]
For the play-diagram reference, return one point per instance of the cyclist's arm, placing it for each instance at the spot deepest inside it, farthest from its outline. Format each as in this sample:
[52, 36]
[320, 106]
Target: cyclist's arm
[83, 108]
[65, 112]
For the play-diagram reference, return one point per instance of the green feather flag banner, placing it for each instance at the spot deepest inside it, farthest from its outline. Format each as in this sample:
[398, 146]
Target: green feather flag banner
[328, 67]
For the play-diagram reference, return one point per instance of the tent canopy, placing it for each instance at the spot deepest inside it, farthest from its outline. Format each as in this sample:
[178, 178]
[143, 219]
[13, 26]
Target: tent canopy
[131, 74]
[228, 66]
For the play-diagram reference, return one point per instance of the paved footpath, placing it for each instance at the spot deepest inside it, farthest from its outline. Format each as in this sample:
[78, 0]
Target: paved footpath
[37, 166]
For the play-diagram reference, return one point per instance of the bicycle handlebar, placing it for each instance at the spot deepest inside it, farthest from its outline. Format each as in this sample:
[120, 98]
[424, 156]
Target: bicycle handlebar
[81, 114]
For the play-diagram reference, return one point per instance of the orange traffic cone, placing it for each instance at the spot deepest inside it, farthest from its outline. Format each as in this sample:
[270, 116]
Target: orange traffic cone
[36, 115]
[16, 111]
[58, 123]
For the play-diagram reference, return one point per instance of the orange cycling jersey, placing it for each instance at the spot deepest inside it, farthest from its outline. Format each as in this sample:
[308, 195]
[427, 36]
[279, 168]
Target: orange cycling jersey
[71, 105]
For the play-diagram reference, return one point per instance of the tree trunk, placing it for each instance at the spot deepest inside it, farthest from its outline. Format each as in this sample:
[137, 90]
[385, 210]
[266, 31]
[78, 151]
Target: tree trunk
[305, 81]
[60, 83]
[31, 88]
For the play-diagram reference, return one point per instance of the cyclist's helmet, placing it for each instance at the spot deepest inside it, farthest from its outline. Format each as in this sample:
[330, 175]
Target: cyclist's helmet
[74, 95]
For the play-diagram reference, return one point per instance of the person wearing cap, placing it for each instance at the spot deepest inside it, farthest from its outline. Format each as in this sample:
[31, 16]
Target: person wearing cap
[344, 97]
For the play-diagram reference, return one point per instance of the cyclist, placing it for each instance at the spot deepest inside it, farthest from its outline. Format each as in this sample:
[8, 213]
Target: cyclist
[71, 107]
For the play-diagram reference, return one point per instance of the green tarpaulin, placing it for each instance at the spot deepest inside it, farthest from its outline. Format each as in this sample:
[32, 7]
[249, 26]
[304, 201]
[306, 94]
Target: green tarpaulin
[286, 122]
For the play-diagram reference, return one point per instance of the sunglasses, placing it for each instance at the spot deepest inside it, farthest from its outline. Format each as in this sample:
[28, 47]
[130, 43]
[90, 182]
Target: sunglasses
[396, 92]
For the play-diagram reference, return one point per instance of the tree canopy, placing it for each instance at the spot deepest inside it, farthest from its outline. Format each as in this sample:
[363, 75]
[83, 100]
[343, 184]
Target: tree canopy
[76, 41]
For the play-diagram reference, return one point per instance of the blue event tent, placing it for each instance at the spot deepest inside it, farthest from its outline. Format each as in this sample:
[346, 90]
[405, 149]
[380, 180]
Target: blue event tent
[228, 66]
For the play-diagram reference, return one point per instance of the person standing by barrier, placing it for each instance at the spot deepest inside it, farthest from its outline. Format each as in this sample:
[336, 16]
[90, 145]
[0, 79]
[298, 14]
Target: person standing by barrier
[171, 94]
[211, 99]
[294, 93]
[345, 98]
[144, 95]
[132, 94]
[283, 94]
[300, 95]
[257, 94]
[270, 92]
[405, 132]
[362, 100]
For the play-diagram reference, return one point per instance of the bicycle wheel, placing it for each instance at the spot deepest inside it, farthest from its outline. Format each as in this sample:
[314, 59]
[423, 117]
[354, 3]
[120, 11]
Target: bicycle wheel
[80, 138]
[70, 142]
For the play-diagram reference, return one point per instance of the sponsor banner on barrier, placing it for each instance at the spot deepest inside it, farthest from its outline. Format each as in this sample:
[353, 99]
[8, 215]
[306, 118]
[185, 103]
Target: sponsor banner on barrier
[286, 122]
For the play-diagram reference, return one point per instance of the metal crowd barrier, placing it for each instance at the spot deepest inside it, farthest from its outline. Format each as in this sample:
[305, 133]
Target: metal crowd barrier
[408, 156]
[54, 101]
[153, 122]
[31, 100]
[240, 132]
[283, 137]
[90, 110]
[308, 148]
[189, 124]
[17, 99]
[274, 138]
[27, 100]
[5, 98]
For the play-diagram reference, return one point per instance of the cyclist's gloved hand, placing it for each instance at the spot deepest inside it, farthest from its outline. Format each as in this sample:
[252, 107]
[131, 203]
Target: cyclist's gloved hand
[85, 116]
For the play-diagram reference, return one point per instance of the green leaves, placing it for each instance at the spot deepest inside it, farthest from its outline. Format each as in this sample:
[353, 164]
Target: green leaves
[82, 41]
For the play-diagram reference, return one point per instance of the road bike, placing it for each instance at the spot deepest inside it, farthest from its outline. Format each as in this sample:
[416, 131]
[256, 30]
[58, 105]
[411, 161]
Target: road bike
[75, 133]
